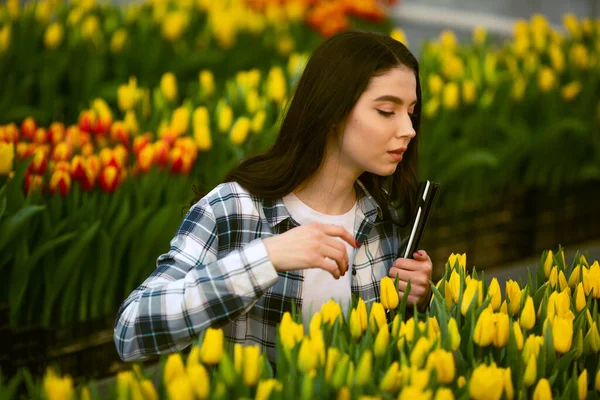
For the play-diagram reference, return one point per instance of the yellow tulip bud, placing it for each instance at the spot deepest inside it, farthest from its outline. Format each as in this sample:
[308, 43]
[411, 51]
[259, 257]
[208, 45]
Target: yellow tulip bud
[435, 87]
[484, 332]
[148, 390]
[557, 59]
[180, 120]
[444, 394]
[597, 382]
[390, 382]
[57, 388]
[399, 35]
[495, 293]
[530, 371]
[173, 368]
[211, 350]
[180, 388]
[485, 380]
[580, 301]
[7, 155]
[570, 91]
[502, 329]
[199, 380]
[472, 288]
[333, 356]
[546, 79]
[382, 342]
[518, 89]
[527, 317]
[290, 333]
[461, 381]
[562, 281]
[240, 130]
[578, 344]
[251, 365]
[582, 385]
[417, 356]
[377, 318]
[454, 334]
[562, 334]
[518, 335]
[454, 286]
[168, 86]
[307, 358]
[202, 138]
[266, 387]
[591, 280]
[331, 312]
[469, 91]
[453, 68]
[509, 390]
[450, 96]
[54, 35]
[443, 362]
[448, 39]
[361, 310]
[344, 394]
[479, 35]
[364, 367]
[575, 276]
[225, 118]
[542, 390]
[355, 329]
[174, 24]
[207, 82]
[118, 40]
[548, 262]
[389, 294]
[431, 107]
[276, 85]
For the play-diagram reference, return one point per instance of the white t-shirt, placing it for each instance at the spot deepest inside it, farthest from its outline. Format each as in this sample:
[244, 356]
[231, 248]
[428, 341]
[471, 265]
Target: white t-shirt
[319, 285]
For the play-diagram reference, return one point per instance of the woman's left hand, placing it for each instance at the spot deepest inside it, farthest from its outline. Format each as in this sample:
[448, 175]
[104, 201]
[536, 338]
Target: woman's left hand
[418, 271]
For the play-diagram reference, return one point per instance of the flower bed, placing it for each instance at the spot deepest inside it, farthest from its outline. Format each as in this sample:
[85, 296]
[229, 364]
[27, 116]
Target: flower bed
[537, 340]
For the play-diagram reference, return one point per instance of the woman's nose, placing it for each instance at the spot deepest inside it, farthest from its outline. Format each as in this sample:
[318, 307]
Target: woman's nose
[405, 128]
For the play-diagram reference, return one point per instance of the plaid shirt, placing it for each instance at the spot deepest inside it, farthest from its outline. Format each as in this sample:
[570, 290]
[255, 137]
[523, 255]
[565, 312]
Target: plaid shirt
[218, 274]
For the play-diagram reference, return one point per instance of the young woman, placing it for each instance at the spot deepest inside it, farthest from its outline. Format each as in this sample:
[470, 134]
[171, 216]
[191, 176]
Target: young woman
[309, 220]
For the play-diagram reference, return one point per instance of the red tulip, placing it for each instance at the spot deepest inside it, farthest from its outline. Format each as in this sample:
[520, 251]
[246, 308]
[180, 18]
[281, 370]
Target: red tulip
[33, 183]
[25, 150]
[56, 132]
[60, 180]
[180, 161]
[103, 125]
[77, 168]
[108, 157]
[93, 163]
[61, 152]
[40, 136]
[145, 158]
[119, 133]
[161, 153]
[39, 163]
[87, 121]
[139, 142]
[88, 180]
[109, 178]
[28, 127]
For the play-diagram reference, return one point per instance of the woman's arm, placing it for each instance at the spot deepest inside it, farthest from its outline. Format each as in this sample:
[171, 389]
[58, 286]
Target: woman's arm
[191, 289]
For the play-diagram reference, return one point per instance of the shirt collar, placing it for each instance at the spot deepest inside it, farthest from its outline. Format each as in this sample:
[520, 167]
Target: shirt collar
[276, 212]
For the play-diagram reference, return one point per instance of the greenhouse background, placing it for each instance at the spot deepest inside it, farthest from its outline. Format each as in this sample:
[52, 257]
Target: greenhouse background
[115, 115]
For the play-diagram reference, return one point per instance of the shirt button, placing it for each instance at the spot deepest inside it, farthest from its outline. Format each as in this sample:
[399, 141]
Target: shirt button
[353, 271]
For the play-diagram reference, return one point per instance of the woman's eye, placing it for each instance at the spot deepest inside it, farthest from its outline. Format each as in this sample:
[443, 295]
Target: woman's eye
[385, 113]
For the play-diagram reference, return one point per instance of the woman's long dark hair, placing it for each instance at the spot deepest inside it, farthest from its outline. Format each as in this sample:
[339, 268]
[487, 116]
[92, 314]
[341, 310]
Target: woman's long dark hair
[336, 75]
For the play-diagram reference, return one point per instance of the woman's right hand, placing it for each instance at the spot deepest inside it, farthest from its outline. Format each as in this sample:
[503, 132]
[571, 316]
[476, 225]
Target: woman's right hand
[309, 246]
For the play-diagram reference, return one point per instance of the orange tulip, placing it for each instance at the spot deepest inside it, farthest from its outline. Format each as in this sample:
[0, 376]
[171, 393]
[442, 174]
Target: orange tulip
[28, 128]
[145, 158]
[103, 125]
[109, 179]
[181, 162]
[108, 158]
[61, 166]
[87, 150]
[25, 150]
[93, 163]
[73, 137]
[40, 136]
[87, 121]
[161, 153]
[60, 180]
[88, 180]
[11, 133]
[56, 132]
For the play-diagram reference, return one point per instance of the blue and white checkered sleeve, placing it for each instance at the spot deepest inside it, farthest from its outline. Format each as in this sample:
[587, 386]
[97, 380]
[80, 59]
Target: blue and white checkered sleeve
[191, 289]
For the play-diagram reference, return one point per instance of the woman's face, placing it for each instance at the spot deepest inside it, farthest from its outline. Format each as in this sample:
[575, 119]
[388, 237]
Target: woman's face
[379, 127]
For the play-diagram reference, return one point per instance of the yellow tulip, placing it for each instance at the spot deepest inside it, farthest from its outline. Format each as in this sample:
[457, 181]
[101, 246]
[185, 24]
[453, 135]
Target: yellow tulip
[527, 317]
[180, 120]
[578, 345]
[251, 365]
[532, 346]
[389, 294]
[240, 130]
[307, 358]
[548, 262]
[224, 118]
[202, 138]
[168, 86]
[486, 383]
[333, 356]
[495, 293]
[502, 329]
[518, 335]
[53, 36]
[407, 330]
[562, 334]
[382, 342]
[173, 368]
[530, 371]
[431, 107]
[5, 37]
[472, 287]
[582, 385]
[435, 87]
[57, 388]
[331, 312]
[7, 155]
[344, 394]
[591, 342]
[399, 35]
[118, 40]
[575, 277]
[377, 318]
[542, 390]
[174, 24]
[199, 380]
[207, 82]
[211, 350]
[572, 24]
[509, 390]
[513, 293]
[518, 89]
[479, 35]
[414, 392]
[454, 334]
[484, 332]
[444, 394]
[454, 286]
[591, 280]
[450, 96]
[597, 382]
[453, 67]
[448, 39]
[557, 59]
[355, 329]
[364, 367]
[546, 79]
[181, 388]
[266, 387]
[258, 121]
[90, 28]
[390, 382]
[469, 91]
[148, 390]
[417, 356]
[443, 362]
[276, 85]
[580, 301]
[290, 333]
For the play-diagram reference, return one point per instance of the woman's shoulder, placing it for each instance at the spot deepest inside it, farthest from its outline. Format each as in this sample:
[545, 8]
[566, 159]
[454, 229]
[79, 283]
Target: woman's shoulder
[229, 199]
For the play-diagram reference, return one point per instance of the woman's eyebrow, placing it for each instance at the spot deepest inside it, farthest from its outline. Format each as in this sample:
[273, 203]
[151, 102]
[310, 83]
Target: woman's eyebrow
[394, 99]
